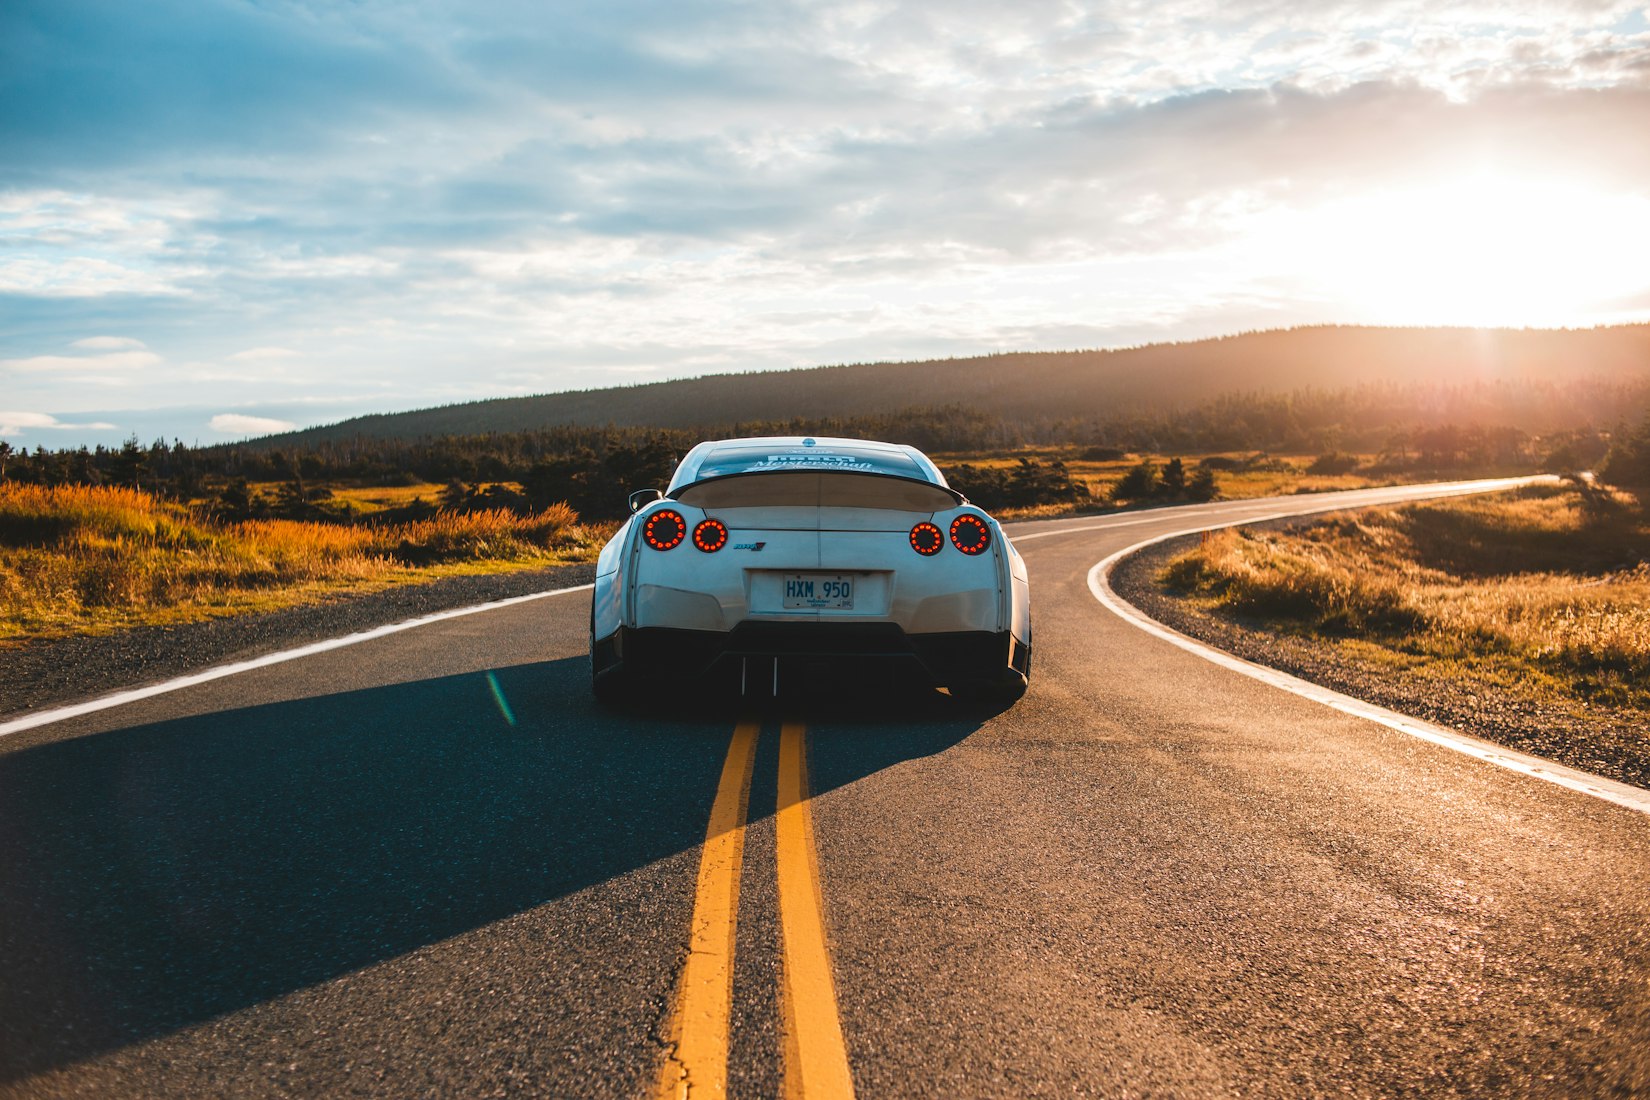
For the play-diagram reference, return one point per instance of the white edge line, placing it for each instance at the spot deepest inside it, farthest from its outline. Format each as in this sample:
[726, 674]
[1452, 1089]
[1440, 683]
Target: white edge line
[120, 698]
[1621, 794]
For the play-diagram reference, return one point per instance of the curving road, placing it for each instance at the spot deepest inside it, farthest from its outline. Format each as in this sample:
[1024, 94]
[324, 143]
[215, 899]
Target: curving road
[426, 864]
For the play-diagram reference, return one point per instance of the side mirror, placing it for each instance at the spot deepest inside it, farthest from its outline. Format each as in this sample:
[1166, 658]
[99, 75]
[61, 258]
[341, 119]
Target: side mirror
[641, 498]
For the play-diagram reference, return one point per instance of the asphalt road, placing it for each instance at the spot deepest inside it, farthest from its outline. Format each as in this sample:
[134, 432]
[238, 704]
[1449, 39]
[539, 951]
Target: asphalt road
[429, 865]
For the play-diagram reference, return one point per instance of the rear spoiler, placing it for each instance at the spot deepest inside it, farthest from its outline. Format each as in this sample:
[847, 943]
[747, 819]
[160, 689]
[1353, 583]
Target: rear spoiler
[956, 497]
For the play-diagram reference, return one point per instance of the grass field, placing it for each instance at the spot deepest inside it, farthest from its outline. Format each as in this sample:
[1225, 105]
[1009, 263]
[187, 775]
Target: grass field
[1545, 590]
[83, 560]
[369, 499]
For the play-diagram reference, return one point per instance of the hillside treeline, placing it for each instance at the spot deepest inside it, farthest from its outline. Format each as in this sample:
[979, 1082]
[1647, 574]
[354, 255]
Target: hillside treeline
[594, 469]
[1535, 379]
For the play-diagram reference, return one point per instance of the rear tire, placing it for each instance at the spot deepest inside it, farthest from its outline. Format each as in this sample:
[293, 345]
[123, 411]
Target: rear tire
[996, 691]
[999, 687]
[611, 688]
[611, 685]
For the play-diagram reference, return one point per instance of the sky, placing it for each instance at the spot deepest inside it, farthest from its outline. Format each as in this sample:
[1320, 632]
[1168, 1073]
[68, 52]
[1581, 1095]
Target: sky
[222, 218]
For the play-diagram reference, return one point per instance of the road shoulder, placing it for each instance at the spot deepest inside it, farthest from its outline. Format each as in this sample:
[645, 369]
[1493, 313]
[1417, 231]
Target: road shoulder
[67, 670]
[1603, 743]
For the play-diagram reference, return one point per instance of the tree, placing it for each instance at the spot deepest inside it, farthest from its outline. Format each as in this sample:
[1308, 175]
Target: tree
[130, 462]
[292, 498]
[455, 496]
[1031, 483]
[1174, 478]
[1202, 486]
[236, 500]
[1333, 464]
[1628, 462]
[1139, 483]
[986, 487]
[1443, 446]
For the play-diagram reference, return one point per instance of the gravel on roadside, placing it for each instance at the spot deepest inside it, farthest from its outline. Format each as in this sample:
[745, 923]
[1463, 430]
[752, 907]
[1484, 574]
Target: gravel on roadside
[68, 670]
[1611, 744]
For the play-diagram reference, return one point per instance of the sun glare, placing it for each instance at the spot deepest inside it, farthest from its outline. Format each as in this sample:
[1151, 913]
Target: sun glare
[1484, 250]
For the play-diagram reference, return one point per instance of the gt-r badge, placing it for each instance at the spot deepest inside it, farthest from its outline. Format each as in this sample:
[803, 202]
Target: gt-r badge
[749, 545]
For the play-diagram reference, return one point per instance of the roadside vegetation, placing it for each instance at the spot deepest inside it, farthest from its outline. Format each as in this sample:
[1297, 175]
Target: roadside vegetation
[93, 539]
[84, 559]
[1543, 592]
[79, 558]
[1046, 482]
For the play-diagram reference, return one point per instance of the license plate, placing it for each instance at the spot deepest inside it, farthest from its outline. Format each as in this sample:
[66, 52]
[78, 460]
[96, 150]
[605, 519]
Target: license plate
[819, 590]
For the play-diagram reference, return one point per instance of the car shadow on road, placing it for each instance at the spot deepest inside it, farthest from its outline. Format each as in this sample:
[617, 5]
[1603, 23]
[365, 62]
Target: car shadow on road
[158, 876]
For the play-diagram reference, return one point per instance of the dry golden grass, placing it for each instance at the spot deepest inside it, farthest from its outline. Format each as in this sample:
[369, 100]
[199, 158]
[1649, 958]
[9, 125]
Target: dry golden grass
[76, 559]
[367, 499]
[1547, 588]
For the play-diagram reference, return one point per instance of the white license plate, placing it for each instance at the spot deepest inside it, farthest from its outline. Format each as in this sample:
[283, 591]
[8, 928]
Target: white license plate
[818, 590]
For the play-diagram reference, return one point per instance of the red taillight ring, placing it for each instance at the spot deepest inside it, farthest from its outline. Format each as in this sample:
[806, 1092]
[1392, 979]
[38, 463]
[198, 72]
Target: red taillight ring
[664, 529]
[926, 539]
[970, 534]
[711, 535]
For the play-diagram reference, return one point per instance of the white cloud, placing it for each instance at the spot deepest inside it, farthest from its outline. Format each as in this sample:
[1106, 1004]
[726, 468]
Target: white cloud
[240, 424]
[86, 276]
[62, 244]
[79, 365]
[253, 355]
[21, 423]
[109, 343]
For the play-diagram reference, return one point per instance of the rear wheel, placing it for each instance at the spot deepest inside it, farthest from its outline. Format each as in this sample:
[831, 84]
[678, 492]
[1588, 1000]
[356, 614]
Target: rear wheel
[998, 688]
[610, 685]
[1004, 692]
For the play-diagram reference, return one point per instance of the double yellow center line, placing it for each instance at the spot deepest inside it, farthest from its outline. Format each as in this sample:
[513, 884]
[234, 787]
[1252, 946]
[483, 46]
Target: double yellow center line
[816, 1058]
[699, 1064]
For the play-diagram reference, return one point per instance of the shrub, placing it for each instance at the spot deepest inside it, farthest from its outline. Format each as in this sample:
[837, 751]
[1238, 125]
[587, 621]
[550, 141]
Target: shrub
[1028, 484]
[1138, 483]
[1174, 478]
[1628, 462]
[1333, 464]
[1202, 486]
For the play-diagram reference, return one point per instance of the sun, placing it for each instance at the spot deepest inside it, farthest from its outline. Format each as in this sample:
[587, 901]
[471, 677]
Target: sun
[1477, 250]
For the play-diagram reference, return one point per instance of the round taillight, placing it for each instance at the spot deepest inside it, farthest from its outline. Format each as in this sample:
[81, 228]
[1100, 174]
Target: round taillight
[926, 539]
[970, 534]
[711, 535]
[664, 529]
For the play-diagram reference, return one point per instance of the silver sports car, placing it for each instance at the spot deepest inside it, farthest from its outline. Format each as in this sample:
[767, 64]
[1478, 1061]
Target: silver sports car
[775, 557]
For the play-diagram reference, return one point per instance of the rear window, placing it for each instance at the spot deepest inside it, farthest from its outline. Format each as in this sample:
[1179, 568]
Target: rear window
[805, 488]
[767, 458]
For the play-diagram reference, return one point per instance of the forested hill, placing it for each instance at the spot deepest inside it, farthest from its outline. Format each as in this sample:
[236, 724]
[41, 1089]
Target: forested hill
[1050, 387]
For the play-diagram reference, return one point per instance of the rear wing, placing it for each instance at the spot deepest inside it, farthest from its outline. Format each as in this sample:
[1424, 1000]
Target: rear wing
[818, 488]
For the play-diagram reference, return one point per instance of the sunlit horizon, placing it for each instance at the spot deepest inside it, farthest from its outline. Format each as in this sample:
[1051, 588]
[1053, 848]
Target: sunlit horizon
[1485, 250]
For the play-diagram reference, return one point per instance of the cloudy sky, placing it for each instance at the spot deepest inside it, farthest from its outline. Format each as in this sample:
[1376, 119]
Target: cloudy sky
[224, 217]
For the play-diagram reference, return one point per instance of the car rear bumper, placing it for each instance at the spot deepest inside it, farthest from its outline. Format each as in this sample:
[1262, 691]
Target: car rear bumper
[947, 659]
